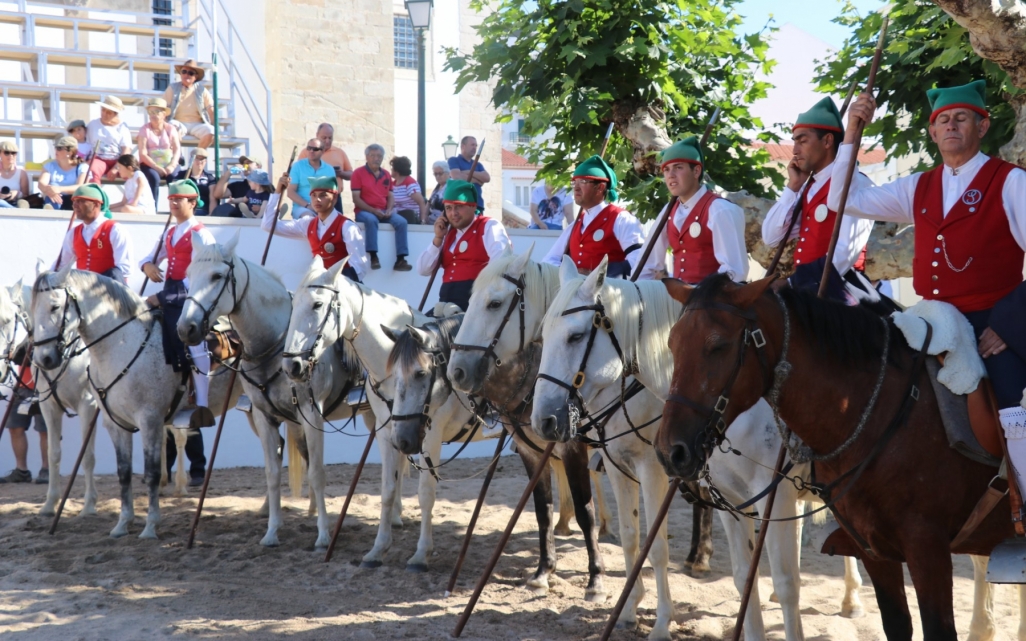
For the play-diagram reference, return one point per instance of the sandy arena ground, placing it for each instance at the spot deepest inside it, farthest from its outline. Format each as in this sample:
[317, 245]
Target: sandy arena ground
[81, 584]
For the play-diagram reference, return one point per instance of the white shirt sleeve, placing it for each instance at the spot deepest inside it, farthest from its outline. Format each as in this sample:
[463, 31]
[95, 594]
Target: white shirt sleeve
[555, 255]
[428, 259]
[495, 238]
[353, 238]
[891, 202]
[1014, 196]
[121, 244]
[854, 231]
[628, 230]
[657, 259]
[774, 225]
[727, 224]
[67, 251]
[285, 228]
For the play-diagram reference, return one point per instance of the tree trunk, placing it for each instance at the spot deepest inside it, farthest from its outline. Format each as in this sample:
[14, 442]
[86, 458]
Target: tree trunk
[645, 127]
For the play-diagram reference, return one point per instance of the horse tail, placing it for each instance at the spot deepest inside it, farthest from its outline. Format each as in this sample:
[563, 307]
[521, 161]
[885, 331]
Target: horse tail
[297, 465]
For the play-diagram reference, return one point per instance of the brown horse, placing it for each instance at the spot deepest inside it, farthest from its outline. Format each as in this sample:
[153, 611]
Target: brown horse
[900, 490]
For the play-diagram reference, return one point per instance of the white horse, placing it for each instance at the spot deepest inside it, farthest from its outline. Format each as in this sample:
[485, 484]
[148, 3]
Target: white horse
[128, 373]
[258, 307]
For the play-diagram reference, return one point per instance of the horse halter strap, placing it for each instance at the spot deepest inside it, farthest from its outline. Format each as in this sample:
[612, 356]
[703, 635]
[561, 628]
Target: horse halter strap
[59, 337]
[599, 321]
[334, 311]
[224, 285]
[438, 362]
[516, 302]
[751, 335]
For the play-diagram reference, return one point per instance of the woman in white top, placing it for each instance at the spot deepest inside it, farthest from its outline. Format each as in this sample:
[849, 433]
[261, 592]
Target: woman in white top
[159, 145]
[138, 197]
[63, 175]
[14, 182]
[109, 137]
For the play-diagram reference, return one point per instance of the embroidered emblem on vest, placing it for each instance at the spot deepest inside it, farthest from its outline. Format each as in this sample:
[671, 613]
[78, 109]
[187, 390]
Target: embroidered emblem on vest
[329, 247]
[598, 235]
[99, 243]
[695, 229]
[972, 197]
[821, 213]
[463, 246]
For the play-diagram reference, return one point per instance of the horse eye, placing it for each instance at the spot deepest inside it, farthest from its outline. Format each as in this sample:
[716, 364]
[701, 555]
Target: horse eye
[495, 304]
[215, 276]
[421, 374]
[318, 305]
[575, 338]
[55, 308]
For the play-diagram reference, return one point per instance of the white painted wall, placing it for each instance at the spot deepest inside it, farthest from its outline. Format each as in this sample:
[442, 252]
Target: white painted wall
[28, 236]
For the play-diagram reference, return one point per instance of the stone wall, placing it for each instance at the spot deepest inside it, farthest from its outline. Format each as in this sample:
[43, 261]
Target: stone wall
[330, 61]
[477, 115]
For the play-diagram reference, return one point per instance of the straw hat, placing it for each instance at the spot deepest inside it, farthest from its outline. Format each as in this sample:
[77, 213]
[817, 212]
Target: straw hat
[112, 103]
[8, 145]
[158, 103]
[191, 64]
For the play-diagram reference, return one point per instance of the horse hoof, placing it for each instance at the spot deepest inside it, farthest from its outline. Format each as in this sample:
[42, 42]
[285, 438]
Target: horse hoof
[270, 541]
[699, 570]
[89, 510]
[47, 511]
[562, 531]
[595, 596]
[397, 523]
[626, 625]
[773, 597]
[321, 543]
[118, 532]
[538, 586]
[148, 534]
[853, 613]
[417, 568]
[371, 565]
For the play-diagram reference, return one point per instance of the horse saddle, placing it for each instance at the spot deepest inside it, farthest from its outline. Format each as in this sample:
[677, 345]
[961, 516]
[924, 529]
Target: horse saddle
[970, 420]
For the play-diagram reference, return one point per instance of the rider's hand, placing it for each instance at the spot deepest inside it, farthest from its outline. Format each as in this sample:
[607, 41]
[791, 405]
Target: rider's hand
[283, 182]
[795, 176]
[860, 113]
[153, 273]
[441, 229]
[991, 344]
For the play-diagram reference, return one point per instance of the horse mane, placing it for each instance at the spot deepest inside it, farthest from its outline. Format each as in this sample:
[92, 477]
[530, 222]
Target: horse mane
[215, 254]
[124, 300]
[408, 353]
[630, 305]
[539, 279]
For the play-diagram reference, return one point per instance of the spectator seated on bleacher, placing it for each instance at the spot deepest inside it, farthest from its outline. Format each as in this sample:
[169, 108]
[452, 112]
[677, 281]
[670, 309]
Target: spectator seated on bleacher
[251, 203]
[14, 180]
[159, 146]
[138, 198]
[197, 172]
[109, 137]
[192, 106]
[77, 130]
[63, 175]
[231, 188]
[302, 171]
[409, 198]
[334, 156]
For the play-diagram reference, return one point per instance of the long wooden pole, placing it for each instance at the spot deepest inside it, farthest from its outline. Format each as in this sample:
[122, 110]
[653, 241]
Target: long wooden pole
[661, 223]
[473, 517]
[349, 495]
[434, 273]
[856, 145]
[635, 572]
[231, 381]
[542, 468]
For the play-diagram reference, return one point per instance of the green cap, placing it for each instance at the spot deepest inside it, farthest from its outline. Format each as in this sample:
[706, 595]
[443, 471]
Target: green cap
[971, 96]
[185, 189]
[823, 115]
[93, 192]
[595, 168]
[686, 150]
[459, 192]
[323, 183]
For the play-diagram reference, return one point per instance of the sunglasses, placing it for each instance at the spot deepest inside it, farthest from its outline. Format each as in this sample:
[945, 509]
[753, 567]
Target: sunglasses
[63, 148]
[186, 72]
[10, 153]
[313, 149]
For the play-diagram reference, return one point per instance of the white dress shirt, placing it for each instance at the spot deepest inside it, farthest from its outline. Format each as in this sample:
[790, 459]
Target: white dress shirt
[854, 231]
[727, 224]
[627, 229]
[119, 242]
[893, 202]
[352, 236]
[200, 236]
[493, 236]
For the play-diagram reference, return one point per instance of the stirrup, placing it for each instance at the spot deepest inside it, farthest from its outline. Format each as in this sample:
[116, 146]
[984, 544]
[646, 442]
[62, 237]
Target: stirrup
[1008, 562]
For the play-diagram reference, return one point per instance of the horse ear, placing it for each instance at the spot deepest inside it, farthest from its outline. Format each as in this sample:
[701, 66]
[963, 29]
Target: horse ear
[519, 266]
[40, 267]
[336, 269]
[15, 291]
[423, 338]
[389, 333]
[318, 264]
[228, 249]
[61, 276]
[567, 270]
[593, 283]
[746, 295]
[678, 290]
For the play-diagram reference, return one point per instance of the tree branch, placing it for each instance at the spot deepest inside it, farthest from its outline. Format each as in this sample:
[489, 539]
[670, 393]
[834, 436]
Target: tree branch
[997, 31]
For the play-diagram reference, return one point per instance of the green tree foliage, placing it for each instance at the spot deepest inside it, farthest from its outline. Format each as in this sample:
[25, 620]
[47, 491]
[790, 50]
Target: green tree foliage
[925, 49]
[576, 65]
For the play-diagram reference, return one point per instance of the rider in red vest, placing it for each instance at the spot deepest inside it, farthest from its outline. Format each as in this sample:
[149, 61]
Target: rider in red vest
[464, 243]
[600, 229]
[331, 235]
[98, 244]
[705, 233]
[176, 247]
[817, 135]
[970, 236]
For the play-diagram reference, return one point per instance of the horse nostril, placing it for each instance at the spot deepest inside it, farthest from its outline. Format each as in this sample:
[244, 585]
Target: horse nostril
[458, 374]
[680, 456]
[296, 368]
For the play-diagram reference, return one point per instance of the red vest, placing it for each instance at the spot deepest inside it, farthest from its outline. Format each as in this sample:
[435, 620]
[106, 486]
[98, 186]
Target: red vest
[693, 257]
[470, 256]
[814, 235]
[98, 255]
[974, 238]
[179, 255]
[332, 236]
[586, 247]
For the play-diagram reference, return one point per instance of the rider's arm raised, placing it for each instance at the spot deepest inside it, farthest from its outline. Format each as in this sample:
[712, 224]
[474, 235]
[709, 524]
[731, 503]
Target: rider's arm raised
[286, 228]
[353, 238]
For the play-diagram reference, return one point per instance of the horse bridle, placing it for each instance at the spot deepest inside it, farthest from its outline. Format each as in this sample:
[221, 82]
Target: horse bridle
[516, 302]
[334, 311]
[438, 361]
[60, 337]
[230, 276]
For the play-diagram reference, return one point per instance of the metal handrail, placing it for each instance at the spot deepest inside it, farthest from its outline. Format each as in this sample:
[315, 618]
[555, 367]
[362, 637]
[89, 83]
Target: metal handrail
[23, 6]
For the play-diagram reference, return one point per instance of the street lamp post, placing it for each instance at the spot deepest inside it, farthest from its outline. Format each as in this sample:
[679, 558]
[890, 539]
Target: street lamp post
[420, 17]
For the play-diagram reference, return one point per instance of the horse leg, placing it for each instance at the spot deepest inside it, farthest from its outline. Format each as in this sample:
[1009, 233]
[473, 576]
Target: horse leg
[566, 501]
[52, 416]
[264, 508]
[390, 469]
[701, 537]
[86, 416]
[123, 450]
[982, 627]
[576, 463]
[782, 550]
[929, 565]
[740, 541]
[851, 606]
[626, 493]
[181, 477]
[397, 504]
[154, 440]
[654, 484]
[428, 486]
[267, 429]
[316, 478]
[539, 583]
[889, 585]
